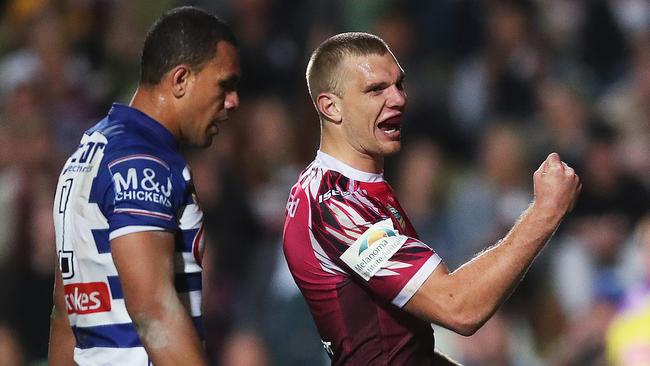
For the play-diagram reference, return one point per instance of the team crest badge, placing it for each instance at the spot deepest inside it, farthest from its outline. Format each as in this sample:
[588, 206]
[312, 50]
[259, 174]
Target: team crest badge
[397, 216]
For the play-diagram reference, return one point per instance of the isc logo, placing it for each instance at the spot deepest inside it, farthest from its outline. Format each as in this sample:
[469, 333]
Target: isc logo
[332, 193]
[86, 298]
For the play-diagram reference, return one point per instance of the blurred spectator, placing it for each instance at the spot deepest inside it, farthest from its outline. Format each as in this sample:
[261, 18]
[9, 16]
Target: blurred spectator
[421, 187]
[628, 339]
[594, 248]
[60, 80]
[230, 238]
[9, 187]
[244, 349]
[28, 176]
[11, 353]
[607, 187]
[498, 343]
[117, 74]
[626, 107]
[499, 80]
[601, 47]
[270, 45]
[632, 16]
[561, 125]
[590, 261]
[594, 263]
[582, 343]
[268, 160]
[487, 200]
[268, 165]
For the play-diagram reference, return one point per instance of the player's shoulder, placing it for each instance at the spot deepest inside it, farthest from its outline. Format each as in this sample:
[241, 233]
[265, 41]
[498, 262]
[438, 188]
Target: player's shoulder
[317, 191]
[129, 131]
[306, 188]
[136, 158]
[127, 145]
[298, 193]
[316, 178]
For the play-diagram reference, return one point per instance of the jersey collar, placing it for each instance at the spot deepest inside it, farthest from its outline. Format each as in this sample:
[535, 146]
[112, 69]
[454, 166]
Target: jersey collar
[124, 112]
[332, 163]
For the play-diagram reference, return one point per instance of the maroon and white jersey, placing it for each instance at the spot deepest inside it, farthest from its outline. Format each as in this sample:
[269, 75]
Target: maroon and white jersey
[357, 260]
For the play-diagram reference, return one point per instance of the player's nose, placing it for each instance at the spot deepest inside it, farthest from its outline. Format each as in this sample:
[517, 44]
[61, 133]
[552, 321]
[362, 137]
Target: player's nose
[232, 100]
[397, 98]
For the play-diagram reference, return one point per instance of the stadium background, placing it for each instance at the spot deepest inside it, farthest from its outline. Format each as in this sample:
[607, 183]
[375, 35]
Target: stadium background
[493, 87]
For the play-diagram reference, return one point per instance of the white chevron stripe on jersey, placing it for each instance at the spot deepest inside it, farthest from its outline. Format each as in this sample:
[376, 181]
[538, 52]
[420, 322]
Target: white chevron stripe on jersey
[325, 261]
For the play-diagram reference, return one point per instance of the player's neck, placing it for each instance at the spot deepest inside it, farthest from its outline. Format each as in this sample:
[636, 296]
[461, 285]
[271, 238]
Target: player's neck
[355, 159]
[154, 104]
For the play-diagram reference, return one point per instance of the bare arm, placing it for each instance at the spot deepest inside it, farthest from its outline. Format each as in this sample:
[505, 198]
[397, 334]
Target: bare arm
[465, 299]
[144, 262]
[62, 341]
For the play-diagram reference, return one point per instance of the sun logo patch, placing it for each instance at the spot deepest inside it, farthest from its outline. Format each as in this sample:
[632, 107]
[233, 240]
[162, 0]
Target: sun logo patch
[373, 249]
[374, 236]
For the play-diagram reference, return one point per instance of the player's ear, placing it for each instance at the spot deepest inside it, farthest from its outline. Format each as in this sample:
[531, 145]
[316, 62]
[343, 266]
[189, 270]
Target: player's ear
[179, 76]
[328, 105]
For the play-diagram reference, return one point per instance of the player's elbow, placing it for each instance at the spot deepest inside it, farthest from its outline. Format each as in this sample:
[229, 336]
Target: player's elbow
[144, 312]
[464, 320]
[144, 322]
[457, 317]
[465, 326]
[144, 317]
[147, 312]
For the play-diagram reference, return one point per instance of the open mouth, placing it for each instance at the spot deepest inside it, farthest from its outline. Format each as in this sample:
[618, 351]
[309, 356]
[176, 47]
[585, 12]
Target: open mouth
[216, 123]
[391, 126]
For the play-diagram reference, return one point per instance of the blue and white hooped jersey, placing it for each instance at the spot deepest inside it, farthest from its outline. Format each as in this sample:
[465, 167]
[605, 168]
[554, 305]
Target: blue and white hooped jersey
[126, 176]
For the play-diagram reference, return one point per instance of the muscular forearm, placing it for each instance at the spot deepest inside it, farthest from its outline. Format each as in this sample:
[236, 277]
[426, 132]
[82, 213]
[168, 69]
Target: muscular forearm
[465, 299]
[486, 281]
[168, 334]
[145, 263]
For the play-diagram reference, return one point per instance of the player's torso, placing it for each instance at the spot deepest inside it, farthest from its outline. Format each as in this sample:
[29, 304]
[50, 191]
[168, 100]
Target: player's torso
[94, 300]
[356, 327]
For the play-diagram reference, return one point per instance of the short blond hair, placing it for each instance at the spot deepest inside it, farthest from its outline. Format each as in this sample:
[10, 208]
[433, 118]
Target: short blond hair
[323, 72]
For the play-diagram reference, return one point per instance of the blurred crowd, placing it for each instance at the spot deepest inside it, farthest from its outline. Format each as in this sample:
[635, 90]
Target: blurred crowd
[493, 86]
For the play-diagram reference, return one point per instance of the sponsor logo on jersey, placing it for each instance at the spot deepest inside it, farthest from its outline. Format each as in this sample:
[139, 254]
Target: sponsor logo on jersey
[77, 168]
[373, 249]
[332, 193]
[374, 236]
[142, 185]
[87, 298]
[81, 161]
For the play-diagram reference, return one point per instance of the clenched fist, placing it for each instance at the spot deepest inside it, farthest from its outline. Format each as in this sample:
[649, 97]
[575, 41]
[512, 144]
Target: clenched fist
[556, 186]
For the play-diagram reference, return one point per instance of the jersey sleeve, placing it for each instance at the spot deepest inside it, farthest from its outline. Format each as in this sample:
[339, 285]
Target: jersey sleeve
[143, 193]
[372, 248]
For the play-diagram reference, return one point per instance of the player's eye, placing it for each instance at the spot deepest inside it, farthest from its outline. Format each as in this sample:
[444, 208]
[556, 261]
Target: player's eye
[230, 85]
[400, 84]
[376, 88]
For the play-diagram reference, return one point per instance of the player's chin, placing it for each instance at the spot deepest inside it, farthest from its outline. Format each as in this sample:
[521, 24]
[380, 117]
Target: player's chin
[208, 141]
[391, 148]
[203, 142]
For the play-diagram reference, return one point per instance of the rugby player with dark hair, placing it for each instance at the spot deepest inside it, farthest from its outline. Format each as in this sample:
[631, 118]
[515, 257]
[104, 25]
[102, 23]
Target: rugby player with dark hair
[129, 230]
